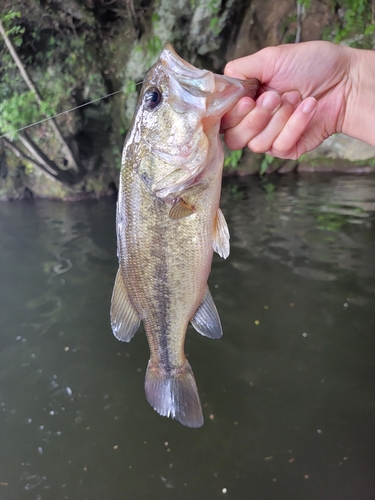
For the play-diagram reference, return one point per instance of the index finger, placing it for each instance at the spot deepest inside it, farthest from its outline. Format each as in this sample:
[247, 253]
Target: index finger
[236, 114]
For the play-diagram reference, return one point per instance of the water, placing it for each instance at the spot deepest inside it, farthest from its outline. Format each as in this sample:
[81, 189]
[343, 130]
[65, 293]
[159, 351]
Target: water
[288, 392]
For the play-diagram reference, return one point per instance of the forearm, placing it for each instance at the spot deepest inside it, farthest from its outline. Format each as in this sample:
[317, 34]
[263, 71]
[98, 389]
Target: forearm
[359, 118]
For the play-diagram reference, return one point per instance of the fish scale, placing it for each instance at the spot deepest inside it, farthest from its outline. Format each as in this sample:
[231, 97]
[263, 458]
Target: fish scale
[169, 223]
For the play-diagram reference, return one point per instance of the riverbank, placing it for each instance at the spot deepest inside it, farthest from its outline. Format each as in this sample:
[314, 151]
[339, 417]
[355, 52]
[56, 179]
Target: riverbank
[77, 53]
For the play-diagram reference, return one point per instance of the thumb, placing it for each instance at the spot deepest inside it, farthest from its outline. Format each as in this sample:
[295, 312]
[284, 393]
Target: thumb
[260, 65]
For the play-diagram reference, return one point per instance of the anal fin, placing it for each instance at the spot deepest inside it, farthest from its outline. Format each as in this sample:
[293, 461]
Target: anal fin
[221, 235]
[124, 319]
[206, 319]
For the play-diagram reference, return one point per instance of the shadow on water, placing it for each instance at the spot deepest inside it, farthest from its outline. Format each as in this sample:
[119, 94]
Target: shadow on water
[288, 393]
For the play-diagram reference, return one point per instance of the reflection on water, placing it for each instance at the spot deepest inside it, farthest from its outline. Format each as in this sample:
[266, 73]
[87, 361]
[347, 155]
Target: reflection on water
[288, 393]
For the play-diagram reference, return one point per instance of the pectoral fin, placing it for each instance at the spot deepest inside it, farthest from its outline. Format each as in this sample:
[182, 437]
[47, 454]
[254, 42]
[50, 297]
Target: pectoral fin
[181, 209]
[206, 318]
[124, 319]
[221, 235]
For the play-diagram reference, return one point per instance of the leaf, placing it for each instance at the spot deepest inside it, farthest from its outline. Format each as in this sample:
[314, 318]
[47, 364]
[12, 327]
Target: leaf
[267, 160]
[130, 87]
[233, 159]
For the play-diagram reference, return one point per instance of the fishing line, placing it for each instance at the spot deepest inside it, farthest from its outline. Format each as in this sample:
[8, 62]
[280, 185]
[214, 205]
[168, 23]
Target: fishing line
[64, 112]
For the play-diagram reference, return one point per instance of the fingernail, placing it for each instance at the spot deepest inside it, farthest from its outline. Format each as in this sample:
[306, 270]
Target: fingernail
[309, 105]
[271, 101]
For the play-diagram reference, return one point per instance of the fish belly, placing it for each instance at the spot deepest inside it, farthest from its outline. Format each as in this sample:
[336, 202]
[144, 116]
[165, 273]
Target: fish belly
[165, 264]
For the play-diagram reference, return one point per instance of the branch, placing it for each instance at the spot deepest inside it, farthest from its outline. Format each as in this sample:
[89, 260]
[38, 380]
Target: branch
[64, 176]
[300, 15]
[70, 157]
[38, 154]
[21, 154]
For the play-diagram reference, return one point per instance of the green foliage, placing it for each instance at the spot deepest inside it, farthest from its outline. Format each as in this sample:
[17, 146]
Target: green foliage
[7, 17]
[17, 111]
[155, 18]
[154, 47]
[12, 28]
[267, 160]
[130, 87]
[233, 159]
[214, 6]
[71, 63]
[355, 25]
[59, 63]
[214, 25]
[305, 3]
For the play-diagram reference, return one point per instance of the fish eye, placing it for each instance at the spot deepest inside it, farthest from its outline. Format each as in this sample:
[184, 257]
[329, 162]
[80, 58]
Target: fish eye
[152, 98]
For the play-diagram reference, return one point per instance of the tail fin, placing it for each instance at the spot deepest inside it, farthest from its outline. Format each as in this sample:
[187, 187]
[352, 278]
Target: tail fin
[174, 393]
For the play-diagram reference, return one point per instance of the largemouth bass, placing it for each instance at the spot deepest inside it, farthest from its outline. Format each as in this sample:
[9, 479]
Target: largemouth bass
[169, 223]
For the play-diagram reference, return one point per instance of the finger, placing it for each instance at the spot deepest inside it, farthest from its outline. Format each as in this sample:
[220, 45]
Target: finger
[291, 154]
[296, 125]
[254, 122]
[234, 70]
[295, 152]
[265, 139]
[260, 65]
[237, 114]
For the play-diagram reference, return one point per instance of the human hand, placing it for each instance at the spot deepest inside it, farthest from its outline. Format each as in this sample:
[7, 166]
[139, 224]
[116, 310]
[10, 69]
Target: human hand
[304, 89]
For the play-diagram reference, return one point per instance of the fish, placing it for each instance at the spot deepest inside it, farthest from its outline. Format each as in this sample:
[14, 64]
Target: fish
[169, 223]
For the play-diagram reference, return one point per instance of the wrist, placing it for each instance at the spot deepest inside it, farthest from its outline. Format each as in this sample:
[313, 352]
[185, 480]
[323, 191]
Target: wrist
[359, 112]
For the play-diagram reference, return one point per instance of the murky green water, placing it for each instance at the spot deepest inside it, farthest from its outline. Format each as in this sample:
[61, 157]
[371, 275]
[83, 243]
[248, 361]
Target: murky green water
[288, 393]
